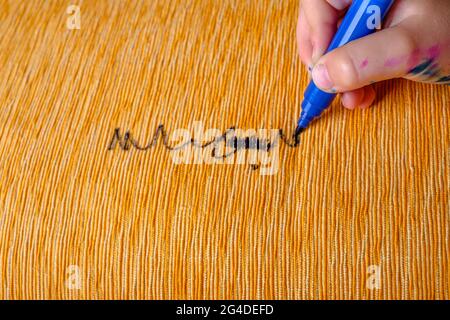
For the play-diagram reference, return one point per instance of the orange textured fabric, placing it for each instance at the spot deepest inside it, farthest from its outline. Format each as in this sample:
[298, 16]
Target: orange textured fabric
[366, 193]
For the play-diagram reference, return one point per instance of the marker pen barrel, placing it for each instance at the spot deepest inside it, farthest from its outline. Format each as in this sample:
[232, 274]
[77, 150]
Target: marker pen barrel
[363, 18]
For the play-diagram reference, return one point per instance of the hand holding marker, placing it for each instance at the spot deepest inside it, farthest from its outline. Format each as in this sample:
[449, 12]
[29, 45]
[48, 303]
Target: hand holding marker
[415, 44]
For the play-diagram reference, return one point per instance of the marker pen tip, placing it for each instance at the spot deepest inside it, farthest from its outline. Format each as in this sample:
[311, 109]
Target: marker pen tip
[298, 131]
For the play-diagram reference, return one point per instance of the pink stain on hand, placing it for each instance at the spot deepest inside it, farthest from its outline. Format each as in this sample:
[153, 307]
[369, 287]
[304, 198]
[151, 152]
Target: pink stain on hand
[365, 63]
[434, 51]
[414, 59]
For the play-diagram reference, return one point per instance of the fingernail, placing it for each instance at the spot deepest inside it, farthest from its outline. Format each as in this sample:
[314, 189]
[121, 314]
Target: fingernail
[346, 102]
[321, 77]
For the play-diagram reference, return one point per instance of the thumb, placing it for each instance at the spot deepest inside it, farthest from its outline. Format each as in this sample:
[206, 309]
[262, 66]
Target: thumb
[377, 57]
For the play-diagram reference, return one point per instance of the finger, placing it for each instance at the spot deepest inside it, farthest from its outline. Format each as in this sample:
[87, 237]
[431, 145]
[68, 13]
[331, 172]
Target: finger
[340, 4]
[303, 40]
[364, 61]
[322, 20]
[353, 99]
[369, 97]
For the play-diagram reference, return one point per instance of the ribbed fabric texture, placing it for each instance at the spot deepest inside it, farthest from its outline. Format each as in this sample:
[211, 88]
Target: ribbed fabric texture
[364, 188]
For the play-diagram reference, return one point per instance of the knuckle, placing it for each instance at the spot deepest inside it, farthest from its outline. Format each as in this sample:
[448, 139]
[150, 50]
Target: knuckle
[346, 73]
[406, 41]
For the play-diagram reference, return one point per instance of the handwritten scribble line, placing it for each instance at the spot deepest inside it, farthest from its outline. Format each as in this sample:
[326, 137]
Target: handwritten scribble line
[237, 143]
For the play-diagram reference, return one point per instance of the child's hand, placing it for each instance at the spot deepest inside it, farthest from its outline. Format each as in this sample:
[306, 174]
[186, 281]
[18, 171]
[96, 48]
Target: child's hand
[414, 44]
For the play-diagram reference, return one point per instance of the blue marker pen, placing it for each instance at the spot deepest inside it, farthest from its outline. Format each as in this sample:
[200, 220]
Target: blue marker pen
[363, 18]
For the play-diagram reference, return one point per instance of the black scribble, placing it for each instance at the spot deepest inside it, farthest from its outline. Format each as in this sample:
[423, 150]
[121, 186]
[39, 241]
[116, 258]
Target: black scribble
[126, 142]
